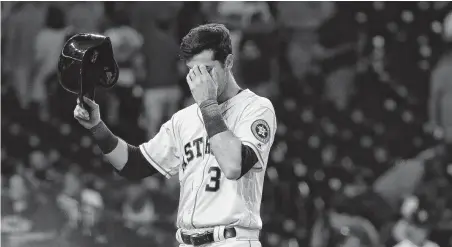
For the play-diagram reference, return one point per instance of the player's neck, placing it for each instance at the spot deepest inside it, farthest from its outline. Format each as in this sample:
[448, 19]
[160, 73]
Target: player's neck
[231, 90]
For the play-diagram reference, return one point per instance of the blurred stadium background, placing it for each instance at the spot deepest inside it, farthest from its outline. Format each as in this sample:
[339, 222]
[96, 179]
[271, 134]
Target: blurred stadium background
[362, 139]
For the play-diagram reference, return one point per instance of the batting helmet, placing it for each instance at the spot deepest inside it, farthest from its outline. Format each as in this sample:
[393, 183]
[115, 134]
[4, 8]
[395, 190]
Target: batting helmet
[87, 62]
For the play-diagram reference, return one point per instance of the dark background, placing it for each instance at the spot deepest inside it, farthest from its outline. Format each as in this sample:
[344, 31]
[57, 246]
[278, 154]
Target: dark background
[350, 83]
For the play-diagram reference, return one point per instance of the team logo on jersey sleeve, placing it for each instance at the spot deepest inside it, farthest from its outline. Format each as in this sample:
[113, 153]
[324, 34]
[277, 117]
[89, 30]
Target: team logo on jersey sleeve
[261, 130]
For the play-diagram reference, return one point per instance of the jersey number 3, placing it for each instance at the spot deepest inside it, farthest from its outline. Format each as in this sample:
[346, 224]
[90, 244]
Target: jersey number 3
[214, 183]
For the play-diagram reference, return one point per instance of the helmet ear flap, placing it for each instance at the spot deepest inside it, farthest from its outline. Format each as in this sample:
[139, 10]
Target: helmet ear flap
[108, 65]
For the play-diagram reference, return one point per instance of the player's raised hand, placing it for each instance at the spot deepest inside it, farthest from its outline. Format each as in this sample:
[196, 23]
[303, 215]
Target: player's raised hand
[85, 118]
[202, 86]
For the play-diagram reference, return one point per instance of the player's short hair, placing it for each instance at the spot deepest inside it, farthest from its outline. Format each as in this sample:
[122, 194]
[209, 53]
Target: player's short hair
[212, 36]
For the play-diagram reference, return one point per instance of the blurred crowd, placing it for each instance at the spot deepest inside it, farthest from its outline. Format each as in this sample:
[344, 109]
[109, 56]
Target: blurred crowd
[361, 92]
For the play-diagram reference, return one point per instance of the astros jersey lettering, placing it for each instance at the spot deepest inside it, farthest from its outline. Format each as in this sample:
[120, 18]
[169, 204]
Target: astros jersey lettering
[207, 197]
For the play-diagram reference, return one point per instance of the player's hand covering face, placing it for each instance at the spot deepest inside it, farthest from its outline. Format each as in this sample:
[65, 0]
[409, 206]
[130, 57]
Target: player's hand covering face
[202, 86]
[217, 71]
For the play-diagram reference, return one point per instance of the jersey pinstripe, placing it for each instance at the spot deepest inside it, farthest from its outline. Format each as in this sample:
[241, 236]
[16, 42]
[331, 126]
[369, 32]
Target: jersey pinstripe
[207, 197]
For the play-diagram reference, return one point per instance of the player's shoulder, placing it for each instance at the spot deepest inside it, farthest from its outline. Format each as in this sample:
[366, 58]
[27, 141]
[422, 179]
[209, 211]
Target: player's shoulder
[185, 113]
[259, 102]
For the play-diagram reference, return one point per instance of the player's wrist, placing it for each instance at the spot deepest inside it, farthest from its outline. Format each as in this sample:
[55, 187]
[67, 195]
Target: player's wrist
[211, 114]
[104, 138]
[96, 124]
[208, 103]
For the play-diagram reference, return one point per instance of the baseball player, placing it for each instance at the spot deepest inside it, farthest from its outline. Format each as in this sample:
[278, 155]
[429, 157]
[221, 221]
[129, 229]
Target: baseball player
[218, 146]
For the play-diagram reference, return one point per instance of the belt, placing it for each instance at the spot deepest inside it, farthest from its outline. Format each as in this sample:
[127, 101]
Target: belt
[206, 238]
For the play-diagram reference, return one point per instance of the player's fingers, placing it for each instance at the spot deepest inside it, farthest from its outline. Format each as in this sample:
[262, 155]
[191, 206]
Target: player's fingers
[202, 69]
[196, 70]
[90, 103]
[81, 112]
[79, 115]
[209, 70]
[189, 80]
[213, 78]
[192, 74]
[81, 119]
[77, 111]
[80, 109]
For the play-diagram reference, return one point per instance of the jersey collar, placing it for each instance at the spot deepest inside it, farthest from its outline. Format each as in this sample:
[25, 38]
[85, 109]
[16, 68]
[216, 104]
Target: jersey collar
[243, 94]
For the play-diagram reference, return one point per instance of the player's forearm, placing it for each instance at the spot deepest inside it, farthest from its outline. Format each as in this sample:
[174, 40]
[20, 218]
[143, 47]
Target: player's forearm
[119, 156]
[126, 159]
[227, 150]
[114, 149]
[225, 146]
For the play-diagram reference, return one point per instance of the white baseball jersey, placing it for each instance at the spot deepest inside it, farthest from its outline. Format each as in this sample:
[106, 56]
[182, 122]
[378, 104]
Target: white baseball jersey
[207, 197]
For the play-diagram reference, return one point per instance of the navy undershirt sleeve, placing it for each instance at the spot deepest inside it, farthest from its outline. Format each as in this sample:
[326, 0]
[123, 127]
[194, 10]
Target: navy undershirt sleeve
[137, 167]
[249, 159]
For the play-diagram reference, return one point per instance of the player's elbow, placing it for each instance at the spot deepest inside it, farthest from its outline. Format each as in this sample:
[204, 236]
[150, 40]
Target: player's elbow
[232, 173]
[230, 166]
[133, 174]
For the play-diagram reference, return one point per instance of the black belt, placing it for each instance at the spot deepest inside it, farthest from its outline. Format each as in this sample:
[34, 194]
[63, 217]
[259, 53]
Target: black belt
[206, 238]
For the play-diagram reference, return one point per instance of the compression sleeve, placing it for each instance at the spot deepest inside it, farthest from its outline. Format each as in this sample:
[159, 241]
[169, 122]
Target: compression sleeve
[249, 159]
[211, 114]
[136, 166]
[104, 138]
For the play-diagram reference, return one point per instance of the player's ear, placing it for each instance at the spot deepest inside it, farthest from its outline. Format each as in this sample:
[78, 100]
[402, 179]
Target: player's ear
[229, 62]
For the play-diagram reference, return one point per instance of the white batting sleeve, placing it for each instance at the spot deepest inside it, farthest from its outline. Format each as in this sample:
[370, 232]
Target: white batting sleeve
[256, 129]
[162, 151]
